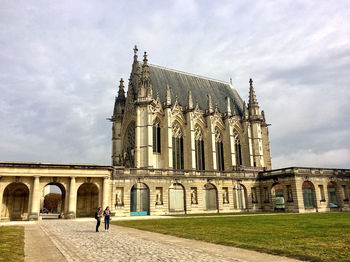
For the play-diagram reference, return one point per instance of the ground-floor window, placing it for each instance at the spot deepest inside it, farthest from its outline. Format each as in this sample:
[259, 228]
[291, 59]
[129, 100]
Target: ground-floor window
[210, 197]
[308, 194]
[332, 194]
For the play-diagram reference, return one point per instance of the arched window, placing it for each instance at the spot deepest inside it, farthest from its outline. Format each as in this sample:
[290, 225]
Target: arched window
[241, 196]
[178, 152]
[307, 194]
[199, 148]
[156, 136]
[219, 150]
[238, 151]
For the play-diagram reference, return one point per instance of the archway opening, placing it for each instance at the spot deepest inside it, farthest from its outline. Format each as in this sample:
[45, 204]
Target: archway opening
[176, 198]
[210, 197]
[241, 197]
[332, 194]
[308, 194]
[278, 200]
[139, 200]
[52, 201]
[15, 202]
[87, 200]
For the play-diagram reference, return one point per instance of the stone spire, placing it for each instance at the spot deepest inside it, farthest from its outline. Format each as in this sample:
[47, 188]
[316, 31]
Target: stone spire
[146, 85]
[121, 91]
[145, 67]
[119, 104]
[253, 106]
[168, 96]
[190, 100]
[135, 53]
[252, 98]
[210, 104]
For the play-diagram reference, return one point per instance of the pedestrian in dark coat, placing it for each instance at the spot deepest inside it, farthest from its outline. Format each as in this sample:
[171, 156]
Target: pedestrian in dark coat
[98, 216]
[107, 215]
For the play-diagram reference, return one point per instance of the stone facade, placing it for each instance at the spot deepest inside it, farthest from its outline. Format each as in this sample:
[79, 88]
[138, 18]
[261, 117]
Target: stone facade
[181, 143]
[221, 117]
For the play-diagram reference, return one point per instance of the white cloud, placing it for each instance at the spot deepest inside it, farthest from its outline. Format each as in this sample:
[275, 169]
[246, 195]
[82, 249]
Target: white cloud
[337, 158]
[61, 63]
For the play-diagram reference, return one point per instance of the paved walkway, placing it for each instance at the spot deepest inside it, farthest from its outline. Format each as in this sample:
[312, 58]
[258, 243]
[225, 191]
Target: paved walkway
[74, 240]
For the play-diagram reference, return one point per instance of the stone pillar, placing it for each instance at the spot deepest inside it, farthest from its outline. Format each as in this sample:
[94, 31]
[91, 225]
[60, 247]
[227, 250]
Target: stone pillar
[144, 150]
[250, 146]
[35, 208]
[105, 194]
[169, 136]
[191, 146]
[72, 199]
[257, 144]
[213, 145]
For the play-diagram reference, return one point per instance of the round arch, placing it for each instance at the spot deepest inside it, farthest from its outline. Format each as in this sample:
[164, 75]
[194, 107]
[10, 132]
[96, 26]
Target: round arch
[241, 197]
[15, 201]
[210, 197]
[309, 196]
[87, 200]
[58, 207]
[139, 200]
[177, 198]
[277, 193]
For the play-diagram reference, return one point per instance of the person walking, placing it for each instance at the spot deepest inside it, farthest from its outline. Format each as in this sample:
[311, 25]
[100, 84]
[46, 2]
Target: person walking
[98, 216]
[107, 215]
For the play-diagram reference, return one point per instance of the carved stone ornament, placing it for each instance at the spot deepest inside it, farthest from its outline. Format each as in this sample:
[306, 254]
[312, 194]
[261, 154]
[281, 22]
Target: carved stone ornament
[198, 115]
[176, 112]
[216, 119]
[156, 107]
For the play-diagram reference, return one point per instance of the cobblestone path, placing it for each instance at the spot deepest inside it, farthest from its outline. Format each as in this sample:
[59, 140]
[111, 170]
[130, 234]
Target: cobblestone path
[77, 241]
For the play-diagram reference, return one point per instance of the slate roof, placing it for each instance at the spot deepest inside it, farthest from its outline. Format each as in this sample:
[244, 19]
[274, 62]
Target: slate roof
[180, 83]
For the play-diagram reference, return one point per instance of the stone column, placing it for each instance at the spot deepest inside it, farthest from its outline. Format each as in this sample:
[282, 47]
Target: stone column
[35, 208]
[72, 199]
[105, 194]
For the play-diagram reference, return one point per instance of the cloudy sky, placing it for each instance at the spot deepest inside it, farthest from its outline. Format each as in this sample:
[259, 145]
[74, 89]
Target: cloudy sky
[61, 61]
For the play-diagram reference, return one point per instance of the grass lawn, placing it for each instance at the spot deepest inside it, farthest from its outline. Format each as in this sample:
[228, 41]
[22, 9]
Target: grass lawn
[315, 237]
[11, 243]
[218, 214]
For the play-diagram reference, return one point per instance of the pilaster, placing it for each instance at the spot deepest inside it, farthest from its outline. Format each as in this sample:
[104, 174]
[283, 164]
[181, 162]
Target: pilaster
[144, 151]
[191, 146]
[72, 199]
[169, 145]
[35, 207]
[106, 190]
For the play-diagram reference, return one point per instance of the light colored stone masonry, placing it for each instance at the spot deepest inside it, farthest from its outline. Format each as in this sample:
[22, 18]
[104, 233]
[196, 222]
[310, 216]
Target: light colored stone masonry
[86, 187]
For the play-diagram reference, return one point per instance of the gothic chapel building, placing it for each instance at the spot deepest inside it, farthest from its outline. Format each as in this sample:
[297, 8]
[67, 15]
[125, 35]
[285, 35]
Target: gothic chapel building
[181, 143]
[178, 121]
